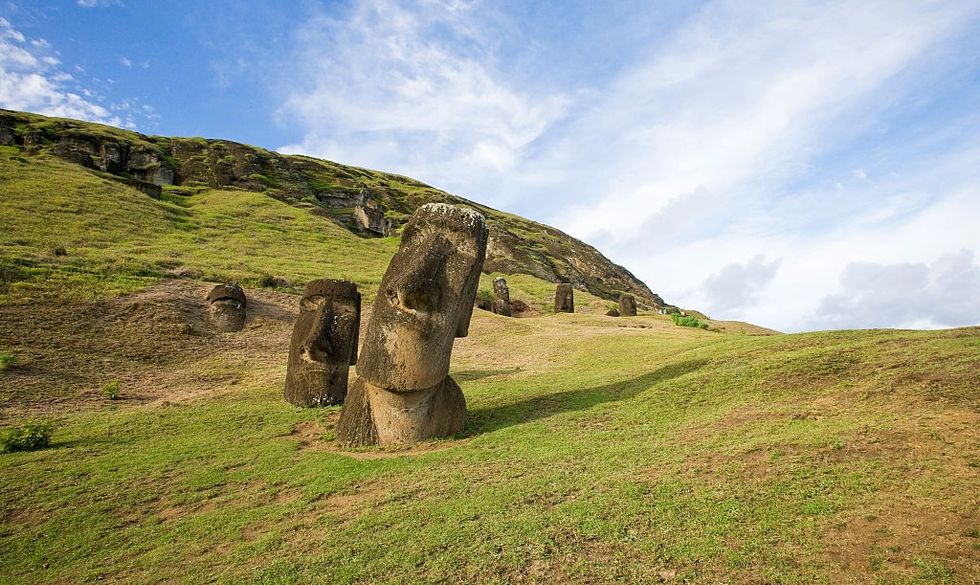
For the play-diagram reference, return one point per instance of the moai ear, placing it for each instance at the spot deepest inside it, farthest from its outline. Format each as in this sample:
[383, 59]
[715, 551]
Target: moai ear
[357, 328]
[466, 304]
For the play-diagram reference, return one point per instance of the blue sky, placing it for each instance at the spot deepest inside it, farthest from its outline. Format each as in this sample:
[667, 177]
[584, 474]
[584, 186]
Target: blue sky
[798, 164]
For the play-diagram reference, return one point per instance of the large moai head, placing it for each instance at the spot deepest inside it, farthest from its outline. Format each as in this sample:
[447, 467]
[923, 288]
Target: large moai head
[627, 305]
[226, 307]
[425, 300]
[324, 343]
[564, 298]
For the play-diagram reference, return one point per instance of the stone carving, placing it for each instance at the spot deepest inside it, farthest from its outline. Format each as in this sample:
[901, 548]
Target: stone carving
[403, 393]
[612, 313]
[226, 307]
[324, 343]
[501, 300]
[627, 305]
[564, 298]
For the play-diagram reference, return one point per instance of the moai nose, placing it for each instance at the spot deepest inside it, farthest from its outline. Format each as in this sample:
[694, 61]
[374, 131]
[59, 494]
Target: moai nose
[420, 288]
[318, 347]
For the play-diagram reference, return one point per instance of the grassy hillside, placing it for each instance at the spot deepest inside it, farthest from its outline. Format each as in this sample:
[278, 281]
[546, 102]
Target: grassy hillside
[190, 165]
[596, 449]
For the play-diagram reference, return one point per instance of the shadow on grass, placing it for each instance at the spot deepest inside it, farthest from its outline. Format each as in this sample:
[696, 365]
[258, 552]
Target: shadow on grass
[484, 420]
[470, 375]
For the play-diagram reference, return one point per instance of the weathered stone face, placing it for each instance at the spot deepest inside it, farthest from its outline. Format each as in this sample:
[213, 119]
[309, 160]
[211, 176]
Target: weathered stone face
[500, 289]
[627, 305]
[564, 298]
[403, 393]
[425, 300]
[226, 307]
[324, 343]
[501, 301]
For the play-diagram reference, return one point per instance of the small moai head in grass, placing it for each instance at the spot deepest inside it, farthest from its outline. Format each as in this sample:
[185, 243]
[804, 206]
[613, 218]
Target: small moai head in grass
[500, 289]
[324, 343]
[501, 300]
[226, 307]
[425, 300]
[627, 305]
[564, 298]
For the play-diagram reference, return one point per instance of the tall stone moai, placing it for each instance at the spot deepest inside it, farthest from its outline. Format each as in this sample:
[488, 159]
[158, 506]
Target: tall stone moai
[501, 297]
[226, 307]
[403, 393]
[564, 298]
[627, 305]
[323, 346]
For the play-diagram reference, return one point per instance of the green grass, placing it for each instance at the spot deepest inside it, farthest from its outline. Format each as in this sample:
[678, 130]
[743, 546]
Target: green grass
[595, 449]
[694, 461]
[118, 240]
[7, 360]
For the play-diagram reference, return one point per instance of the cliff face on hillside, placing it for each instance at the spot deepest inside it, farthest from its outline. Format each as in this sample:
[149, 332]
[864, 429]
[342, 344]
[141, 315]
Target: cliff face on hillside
[367, 202]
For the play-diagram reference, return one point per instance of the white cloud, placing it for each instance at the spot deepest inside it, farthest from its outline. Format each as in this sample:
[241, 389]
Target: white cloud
[98, 3]
[736, 286]
[944, 293]
[31, 80]
[412, 91]
[125, 62]
[704, 162]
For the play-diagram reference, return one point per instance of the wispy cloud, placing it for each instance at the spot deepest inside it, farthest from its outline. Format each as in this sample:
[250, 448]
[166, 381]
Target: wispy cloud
[412, 90]
[738, 160]
[32, 78]
[98, 3]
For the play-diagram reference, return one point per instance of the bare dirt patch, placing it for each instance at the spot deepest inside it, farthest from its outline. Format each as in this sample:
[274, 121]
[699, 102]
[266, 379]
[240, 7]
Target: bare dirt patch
[157, 343]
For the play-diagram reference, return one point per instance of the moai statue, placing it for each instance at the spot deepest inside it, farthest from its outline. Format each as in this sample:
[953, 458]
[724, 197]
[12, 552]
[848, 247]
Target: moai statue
[627, 305]
[324, 343]
[501, 300]
[226, 307]
[564, 298]
[403, 393]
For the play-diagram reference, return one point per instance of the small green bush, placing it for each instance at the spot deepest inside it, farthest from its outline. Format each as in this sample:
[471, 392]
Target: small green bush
[7, 360]
[111, 390]
[688, 321]
[30, 437]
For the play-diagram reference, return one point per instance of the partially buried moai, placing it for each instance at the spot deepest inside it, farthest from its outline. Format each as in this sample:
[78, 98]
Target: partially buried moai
[226, 307]
[324, 343]
[403, 393]
[627, 305]
[564, 298]
[501, 297]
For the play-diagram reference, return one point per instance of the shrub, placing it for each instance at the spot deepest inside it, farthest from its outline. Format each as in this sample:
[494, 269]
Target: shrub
[688, 321]
[111, 390]
[7, 360]
[30, 437]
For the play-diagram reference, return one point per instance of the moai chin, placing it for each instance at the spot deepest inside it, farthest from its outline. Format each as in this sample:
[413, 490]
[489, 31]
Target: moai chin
[564, 298]
[501, 300]
[627, 305]
[324, 343]
[403, 393]
[226, 307]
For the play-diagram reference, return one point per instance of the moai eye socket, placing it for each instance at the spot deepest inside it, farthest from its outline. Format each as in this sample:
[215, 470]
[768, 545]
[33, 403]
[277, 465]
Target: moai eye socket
[312, 303]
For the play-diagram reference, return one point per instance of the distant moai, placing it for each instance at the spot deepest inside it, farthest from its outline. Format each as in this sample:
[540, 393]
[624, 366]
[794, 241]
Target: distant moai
[627, 305]
[226, 307]
[403, 393]
[564, 298]
[501, 300]
[324, 343]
